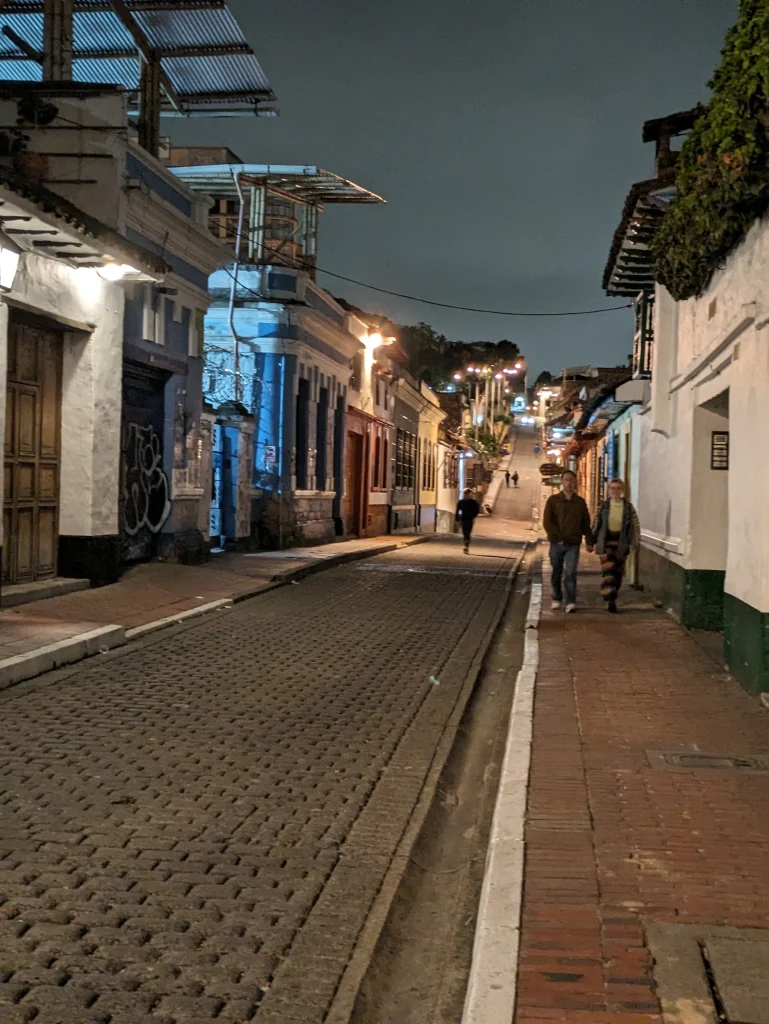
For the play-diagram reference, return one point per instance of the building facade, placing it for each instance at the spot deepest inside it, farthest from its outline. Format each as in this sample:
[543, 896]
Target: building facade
[405, 471]
[278, 353]
[705, 543]
[370, 412]
[88, 156]
[61, 330]
[430, 418]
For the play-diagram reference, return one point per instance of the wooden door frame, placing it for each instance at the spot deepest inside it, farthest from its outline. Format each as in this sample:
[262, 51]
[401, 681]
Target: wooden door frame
[21, 319]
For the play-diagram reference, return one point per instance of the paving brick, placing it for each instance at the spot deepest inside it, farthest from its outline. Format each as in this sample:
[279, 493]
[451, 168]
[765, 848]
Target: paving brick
[173, 815]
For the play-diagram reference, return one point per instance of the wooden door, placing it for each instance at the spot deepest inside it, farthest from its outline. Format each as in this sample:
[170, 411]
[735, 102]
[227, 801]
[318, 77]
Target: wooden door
[31, 454]
[354, 481]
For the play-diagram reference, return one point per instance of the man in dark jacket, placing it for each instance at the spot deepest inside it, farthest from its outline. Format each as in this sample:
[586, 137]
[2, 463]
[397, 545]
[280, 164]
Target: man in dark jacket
[467, 512]
[566, 522]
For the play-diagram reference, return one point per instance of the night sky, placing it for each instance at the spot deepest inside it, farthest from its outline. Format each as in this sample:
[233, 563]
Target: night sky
[504, 135]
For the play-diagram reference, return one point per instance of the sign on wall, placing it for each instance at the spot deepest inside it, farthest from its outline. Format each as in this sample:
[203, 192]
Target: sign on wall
[719, 449]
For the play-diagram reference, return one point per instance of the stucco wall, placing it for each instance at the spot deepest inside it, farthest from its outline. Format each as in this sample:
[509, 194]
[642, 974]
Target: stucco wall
[91, 386]
[703, 347]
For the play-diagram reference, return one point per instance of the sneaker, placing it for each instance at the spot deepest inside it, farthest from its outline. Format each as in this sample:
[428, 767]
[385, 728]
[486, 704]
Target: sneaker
[466, 550]
[555, 606]
[612, 607]
[570, 608]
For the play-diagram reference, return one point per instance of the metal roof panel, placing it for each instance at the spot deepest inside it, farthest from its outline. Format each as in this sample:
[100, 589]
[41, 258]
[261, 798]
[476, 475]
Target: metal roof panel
[308, 183]
[194, 42]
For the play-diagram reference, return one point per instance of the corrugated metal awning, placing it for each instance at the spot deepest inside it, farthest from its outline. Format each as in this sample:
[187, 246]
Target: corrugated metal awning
[305, 184]
[202, 48]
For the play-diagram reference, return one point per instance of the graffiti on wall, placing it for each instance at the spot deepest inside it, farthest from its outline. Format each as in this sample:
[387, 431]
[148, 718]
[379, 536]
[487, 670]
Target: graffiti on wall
[146, 495]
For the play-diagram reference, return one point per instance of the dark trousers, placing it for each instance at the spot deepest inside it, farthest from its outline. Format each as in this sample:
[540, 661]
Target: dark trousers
[467, 529]
[564, 559]
[612, 568]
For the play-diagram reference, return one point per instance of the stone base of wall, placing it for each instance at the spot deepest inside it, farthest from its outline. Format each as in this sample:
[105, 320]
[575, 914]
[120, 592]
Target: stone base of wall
[314, 520]
[695, 596]
[377, 520]
[90, 558]
[189, 547]
[746, 644]
[403, 520]
[445, 522]
[427, 515]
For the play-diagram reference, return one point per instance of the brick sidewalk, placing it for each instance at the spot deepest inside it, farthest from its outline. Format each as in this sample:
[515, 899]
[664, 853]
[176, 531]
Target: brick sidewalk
[160, 590]
[613, 843]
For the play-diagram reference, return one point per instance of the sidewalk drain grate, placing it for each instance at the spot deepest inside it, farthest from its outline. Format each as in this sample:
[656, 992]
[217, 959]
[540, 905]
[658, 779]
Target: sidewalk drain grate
[694, 761]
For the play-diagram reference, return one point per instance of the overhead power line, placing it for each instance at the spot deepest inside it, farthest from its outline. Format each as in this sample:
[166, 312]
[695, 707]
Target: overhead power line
[470, 309]
[446, 305]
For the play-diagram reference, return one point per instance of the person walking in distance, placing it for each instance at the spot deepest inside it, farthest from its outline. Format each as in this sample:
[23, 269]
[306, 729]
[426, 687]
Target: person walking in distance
[515, 478]
[566, 522]
[507, 478]
[617, 532]
[467, 511]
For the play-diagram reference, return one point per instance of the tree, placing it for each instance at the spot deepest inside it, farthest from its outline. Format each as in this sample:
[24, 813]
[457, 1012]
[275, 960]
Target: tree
[427, 353]
[722, 181]
[431, 357]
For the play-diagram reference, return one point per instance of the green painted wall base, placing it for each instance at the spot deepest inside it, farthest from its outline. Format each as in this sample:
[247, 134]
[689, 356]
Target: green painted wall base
[746, 644]
[695, 596]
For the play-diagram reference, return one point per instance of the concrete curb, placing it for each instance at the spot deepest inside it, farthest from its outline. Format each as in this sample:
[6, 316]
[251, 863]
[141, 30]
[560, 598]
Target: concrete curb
[343, 1004]
[172, 620]
[34, 663]
[491, 989]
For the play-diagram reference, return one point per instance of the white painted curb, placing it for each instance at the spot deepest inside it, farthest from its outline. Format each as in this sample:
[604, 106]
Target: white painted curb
[64, 652]
[192, 613]
[491, 989]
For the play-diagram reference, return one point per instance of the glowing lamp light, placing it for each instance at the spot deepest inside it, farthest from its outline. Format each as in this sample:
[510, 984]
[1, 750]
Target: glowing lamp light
[10, 255]
[517, 366]
[9, 264]
[115, 271]
[457, 376]
[497, 376]
[470, 369]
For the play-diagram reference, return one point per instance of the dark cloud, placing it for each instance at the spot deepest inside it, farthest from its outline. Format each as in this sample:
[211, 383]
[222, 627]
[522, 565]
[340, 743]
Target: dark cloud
[503, 133]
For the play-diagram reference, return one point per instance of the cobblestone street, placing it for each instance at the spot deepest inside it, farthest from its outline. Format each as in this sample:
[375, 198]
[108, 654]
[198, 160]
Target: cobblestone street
[195, 827]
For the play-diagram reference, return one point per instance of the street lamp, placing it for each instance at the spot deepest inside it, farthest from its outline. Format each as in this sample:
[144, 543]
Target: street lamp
[10, 254]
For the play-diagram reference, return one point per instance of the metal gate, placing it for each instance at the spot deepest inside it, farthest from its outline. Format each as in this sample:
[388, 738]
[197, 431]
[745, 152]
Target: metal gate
[145, 495]
[32, 454]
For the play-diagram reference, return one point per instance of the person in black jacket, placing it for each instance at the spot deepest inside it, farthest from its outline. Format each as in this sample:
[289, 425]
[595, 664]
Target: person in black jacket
[566, 522]
[467, 512]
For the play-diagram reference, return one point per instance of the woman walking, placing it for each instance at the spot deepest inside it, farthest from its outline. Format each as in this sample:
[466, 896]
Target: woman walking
[617, 532]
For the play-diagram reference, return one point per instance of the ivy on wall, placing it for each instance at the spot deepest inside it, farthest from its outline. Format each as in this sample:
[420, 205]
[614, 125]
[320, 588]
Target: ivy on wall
[722, 184]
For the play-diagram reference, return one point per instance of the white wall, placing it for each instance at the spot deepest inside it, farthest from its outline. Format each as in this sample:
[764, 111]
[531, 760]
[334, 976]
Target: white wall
[747, 573]
[91, 386]
[698, 517]
[707, 542]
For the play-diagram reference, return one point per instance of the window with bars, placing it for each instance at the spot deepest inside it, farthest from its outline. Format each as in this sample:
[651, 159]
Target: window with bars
[376, 474]
[405, 458]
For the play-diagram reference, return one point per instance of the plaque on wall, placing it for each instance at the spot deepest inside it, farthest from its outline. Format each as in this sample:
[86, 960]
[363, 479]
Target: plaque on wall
[719, 449]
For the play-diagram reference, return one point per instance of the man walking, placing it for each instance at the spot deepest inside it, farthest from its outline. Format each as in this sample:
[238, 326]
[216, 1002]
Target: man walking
[467, 512]
[507, 478]
[515, 478]
[566, 522]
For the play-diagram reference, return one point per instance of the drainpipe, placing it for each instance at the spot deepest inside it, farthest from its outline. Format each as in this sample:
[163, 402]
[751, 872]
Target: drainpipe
[233, 289]
[280, 449]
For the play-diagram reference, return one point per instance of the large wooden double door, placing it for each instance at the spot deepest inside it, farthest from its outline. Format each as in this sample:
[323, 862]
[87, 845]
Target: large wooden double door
[32, 453]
